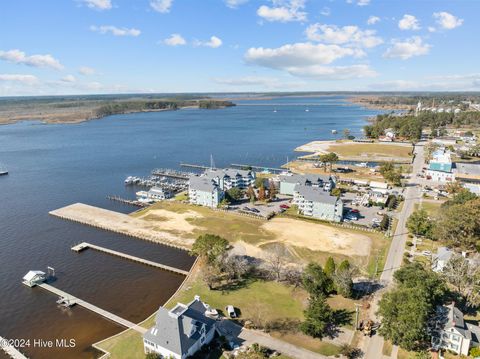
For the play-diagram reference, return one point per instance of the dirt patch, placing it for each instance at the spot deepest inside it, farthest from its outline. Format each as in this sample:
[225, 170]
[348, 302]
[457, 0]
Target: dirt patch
[319, 237]
[172, 221]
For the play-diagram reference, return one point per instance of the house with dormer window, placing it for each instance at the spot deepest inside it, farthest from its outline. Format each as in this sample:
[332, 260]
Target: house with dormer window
[181, 331]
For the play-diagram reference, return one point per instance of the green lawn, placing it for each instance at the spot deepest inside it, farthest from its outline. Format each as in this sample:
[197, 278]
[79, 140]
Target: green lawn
[270, 300]
[312, 344]
[432, 208]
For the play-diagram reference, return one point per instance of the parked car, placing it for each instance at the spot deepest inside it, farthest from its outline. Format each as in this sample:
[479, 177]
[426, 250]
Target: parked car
[354, 211]
[376, 220]
[254, 210]
[427, 253]
[231, 311]
[246, 208]
[284, 206]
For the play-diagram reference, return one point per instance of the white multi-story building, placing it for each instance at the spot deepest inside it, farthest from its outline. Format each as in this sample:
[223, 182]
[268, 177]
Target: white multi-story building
[317, 203]
[204, 191]
[451, 332]
[440, 167]
[288, 182]
[228, 178]
[180, 332]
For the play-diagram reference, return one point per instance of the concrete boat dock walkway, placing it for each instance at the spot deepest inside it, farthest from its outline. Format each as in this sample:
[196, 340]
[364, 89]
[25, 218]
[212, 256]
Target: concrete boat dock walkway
[93, 308]
[82, 246]
[120, 223]
[10, 350]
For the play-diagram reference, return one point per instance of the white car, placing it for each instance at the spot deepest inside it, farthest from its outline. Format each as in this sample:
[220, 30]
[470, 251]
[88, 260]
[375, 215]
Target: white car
[231, 311]
[427, 253]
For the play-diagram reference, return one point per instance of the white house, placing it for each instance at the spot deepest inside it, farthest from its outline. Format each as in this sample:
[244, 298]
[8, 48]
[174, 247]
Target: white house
[204, 191]
[315, 202]
[451, 332]
[159, 194]
[441, 259]
[180, 332]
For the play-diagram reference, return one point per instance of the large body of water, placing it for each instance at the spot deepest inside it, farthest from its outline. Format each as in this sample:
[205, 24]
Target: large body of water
[55, 165]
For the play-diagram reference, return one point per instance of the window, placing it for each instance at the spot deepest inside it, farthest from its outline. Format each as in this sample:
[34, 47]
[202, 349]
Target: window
[455, 338]
[454, 346]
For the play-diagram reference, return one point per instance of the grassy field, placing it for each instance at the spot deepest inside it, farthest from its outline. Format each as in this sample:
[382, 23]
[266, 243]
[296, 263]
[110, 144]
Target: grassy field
[431, 207]
[309, 343]
[371, 150]
[259, 234]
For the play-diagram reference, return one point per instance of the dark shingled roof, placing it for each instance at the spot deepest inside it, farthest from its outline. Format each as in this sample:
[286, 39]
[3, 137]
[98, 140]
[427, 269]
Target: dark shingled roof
[179, 329]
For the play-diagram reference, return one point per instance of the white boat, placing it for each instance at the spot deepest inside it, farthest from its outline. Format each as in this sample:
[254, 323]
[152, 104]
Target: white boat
[307, 110]
[334, 132]
[3, 170]
[362, 164]
[274, 110]
[129, 180]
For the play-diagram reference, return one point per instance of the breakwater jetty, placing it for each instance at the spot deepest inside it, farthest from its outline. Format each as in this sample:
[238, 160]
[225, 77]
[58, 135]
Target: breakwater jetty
[120, 223]
[82, 246]
[113, 317]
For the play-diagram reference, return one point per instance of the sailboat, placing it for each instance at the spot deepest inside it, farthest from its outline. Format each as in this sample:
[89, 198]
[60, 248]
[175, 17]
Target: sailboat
[275, 110]
[307, 110]
[3, 170]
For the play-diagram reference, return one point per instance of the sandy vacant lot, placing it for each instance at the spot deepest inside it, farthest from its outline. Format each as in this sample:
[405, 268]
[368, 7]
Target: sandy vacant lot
[360, 151]
[172, 221]
[318, 237]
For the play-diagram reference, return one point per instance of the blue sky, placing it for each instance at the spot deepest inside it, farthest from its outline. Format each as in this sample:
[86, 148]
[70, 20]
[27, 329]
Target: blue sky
[119, 46]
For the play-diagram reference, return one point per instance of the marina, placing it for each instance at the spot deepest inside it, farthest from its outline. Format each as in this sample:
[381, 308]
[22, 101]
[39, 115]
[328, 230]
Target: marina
[83, 246]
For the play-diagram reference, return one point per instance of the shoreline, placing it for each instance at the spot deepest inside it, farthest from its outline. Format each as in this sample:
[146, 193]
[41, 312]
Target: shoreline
[107, 354]
[366, 101]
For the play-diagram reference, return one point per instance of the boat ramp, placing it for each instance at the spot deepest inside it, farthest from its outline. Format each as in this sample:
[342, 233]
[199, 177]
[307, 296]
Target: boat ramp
[82, 246]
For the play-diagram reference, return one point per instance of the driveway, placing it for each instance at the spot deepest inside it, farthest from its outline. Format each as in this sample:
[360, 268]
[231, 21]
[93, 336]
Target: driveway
[242, 336]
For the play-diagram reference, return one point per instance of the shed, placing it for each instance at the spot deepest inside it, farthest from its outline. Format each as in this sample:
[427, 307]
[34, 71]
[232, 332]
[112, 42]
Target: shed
[34, 277]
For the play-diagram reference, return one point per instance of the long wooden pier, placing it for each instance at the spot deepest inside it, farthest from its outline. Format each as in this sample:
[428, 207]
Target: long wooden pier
[93, 308]
[82, 246]
[10, 350]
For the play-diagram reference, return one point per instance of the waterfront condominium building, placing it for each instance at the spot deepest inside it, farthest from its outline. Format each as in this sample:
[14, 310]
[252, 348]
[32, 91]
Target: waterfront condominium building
[204, 191]
[317, 203]
[288, 182]
[228, 178]
[180, 332]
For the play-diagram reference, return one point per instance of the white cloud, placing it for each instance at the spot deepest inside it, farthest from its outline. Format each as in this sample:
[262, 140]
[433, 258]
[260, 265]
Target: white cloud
[116, 31]
[447, 21]
[23, 79]
[283, 11]
[325, 11]
[408, 48]
[99, 4]
[19, 57]
[214, 42]
[175, 40]
[359, 2]
[162, 6]
[309, 60]
[86, 71]
[431, 29]
[233, 4]
[409, 22]
[298, 54]
[372, 20]
[349, 35]
[363, 2]
[68, 79]
[468, 82]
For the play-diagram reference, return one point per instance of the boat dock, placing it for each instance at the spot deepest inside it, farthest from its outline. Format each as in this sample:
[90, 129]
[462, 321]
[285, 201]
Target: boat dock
[257, 168]
[127, 201]
[82, 246]
[93, 308]
[10, 350]
[120, 223]
[199, 167]
[162, 172]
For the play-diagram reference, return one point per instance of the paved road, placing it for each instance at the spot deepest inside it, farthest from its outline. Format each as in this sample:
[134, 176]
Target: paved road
[413, 195]
[248, 337]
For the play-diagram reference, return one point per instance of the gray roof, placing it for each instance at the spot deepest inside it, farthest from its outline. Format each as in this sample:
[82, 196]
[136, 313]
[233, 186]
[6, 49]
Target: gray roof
[303, 179]
[455, 320]
[159, 190]
[202, 183]
[230, 172]
[444, 254]
[179, 329]
[315, 194]
[468, 168]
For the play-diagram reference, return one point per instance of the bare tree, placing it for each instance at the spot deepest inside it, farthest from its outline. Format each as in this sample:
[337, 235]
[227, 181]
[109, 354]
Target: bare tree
[276, 261]
[464, 275]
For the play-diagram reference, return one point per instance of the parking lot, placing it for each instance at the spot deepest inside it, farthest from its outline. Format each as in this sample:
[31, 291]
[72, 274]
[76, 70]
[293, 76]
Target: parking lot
[260, 208]
[365, 214]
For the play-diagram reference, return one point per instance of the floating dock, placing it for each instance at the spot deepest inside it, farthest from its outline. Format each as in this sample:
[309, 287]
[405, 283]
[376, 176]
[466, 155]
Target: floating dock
[120, 223]
[171, 174]
[10, 350]
[93, 308]
[82, 246]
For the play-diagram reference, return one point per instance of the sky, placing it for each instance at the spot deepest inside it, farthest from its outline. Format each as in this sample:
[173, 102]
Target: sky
[56, 47]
